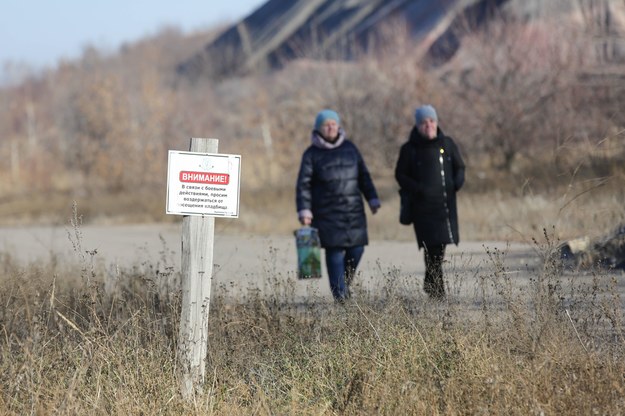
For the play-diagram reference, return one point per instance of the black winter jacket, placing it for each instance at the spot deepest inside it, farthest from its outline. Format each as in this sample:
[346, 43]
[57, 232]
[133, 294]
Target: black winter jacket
[432, 189]
[329, 184]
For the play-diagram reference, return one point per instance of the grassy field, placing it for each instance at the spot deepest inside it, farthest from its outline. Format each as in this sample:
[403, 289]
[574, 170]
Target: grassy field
[544, 151]
[549, 345]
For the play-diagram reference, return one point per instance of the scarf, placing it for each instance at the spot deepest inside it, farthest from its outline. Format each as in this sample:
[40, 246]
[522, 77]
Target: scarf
[318, 140]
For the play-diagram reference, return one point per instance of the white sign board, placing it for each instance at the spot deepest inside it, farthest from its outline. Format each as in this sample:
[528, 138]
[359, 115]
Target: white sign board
[203, 184]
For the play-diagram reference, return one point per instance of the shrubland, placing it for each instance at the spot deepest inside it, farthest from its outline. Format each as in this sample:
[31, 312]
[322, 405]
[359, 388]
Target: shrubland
[78, 338]
[541, 130]
[537, 119]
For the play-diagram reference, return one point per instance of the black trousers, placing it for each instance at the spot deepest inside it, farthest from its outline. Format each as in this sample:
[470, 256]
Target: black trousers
[433, 283]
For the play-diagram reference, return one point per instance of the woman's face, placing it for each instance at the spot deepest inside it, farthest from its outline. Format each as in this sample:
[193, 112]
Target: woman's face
[428, 128]
[330, 129]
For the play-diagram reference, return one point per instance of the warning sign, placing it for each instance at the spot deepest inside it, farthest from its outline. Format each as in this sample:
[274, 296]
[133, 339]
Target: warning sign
[203, 184]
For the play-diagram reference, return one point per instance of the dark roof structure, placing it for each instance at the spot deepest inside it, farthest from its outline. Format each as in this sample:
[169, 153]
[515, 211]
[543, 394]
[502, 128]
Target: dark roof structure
[282, 30]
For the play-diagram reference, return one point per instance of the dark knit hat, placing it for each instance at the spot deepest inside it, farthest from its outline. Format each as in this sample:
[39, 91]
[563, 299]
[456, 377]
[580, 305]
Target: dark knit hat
[423, 112]
[324, 115]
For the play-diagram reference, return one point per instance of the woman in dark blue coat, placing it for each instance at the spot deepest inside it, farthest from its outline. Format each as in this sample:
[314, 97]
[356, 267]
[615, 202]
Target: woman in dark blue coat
[431, 170]
[332, 179]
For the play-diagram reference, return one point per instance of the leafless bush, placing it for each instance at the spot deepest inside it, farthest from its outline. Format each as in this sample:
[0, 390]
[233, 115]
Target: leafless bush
[518, 107]
[510, 88]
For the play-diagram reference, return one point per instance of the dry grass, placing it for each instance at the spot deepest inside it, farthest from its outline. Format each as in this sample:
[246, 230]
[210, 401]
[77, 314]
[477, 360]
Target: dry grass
[587, 209]
[496, 216]
[80, 339]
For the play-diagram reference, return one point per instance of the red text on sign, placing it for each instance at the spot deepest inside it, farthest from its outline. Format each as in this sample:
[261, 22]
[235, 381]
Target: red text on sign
[205, 177]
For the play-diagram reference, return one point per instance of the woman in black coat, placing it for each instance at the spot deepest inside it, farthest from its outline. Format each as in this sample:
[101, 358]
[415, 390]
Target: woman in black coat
[332, 179]
[430, 170]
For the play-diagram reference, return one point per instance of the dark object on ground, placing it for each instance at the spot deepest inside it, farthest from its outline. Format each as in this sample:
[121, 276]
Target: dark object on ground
[605, 252]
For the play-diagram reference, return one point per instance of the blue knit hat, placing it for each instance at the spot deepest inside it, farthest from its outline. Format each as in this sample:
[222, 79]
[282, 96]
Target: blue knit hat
[324, 115]
[423, 112]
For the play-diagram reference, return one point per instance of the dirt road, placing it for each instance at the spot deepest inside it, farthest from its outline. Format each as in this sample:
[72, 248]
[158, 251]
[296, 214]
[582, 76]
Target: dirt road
[244, 262]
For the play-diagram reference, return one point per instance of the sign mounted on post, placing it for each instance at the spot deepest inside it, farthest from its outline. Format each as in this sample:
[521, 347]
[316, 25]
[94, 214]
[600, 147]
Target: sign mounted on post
[206, 184]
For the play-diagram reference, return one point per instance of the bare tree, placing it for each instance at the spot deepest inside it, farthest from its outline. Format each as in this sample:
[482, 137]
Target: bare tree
[511, 89]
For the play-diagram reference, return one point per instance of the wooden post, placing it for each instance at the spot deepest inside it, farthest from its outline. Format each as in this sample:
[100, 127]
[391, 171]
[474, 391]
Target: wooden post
[197, 272]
